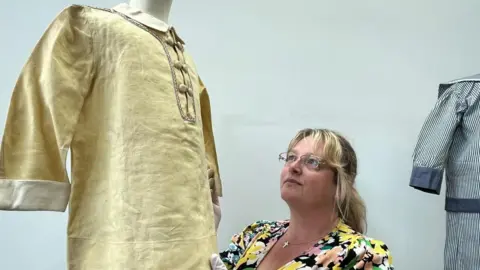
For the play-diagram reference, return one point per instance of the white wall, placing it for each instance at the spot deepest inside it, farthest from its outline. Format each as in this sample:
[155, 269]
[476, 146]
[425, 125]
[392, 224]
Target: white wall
[368, 68]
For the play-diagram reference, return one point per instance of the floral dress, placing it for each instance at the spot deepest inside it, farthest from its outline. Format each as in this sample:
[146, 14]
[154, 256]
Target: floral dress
[342, 249]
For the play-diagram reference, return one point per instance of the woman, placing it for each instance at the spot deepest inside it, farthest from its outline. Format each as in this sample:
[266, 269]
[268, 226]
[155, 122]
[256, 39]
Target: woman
[327, 215]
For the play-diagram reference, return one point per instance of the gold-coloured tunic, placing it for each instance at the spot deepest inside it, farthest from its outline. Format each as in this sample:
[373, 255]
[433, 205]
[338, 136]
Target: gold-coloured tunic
[127, 101]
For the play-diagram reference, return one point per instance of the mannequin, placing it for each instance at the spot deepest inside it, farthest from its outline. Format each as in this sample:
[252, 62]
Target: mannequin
[448, 145]
[117, 88]
[159, 9]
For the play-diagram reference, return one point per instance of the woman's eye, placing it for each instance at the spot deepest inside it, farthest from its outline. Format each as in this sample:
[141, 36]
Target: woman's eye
[291, 157]
[313, 162]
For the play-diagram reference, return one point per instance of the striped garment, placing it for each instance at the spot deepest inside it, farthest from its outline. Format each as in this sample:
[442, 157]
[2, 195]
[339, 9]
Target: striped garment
[449, 142]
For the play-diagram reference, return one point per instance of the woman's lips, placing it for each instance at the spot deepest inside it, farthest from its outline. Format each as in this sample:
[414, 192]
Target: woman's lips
[293, 181]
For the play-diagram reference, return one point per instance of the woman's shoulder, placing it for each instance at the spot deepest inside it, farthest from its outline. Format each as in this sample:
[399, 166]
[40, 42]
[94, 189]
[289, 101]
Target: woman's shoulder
[364, 242]
[347, 235]
[364, 248]
[252, 231]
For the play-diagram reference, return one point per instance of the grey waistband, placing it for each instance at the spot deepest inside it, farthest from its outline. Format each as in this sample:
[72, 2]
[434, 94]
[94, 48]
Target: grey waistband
[462, 205]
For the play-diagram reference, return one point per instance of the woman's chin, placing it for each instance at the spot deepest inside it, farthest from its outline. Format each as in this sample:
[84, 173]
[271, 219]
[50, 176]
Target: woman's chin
[290, 194]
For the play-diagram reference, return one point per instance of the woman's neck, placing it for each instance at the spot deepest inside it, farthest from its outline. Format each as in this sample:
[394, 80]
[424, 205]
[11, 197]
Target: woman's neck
[308, 226]
[159, 9]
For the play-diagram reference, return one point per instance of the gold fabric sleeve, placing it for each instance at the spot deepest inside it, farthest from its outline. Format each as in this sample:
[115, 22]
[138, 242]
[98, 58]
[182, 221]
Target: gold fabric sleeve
[44, 108]
[209, 139]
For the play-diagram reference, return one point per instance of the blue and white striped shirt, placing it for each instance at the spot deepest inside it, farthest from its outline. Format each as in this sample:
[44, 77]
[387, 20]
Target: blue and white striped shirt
[449, 142]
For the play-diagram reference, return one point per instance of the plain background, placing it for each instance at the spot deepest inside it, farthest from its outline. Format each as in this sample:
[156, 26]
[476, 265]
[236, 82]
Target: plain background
[369, 69]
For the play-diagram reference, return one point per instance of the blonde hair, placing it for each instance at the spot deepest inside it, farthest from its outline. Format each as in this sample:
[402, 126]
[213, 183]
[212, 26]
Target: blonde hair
[340, 156]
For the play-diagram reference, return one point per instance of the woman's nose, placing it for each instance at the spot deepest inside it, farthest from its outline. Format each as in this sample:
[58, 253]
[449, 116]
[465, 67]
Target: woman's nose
[295, 167]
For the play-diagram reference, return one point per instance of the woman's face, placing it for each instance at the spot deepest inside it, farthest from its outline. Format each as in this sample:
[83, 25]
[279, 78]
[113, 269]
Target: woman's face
[303, 186]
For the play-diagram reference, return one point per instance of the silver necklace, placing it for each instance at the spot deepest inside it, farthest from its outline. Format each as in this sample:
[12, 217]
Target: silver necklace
[286, 243]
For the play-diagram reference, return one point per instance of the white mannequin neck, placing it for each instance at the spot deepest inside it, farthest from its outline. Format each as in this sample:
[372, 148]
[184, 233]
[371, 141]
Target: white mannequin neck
[159, 9]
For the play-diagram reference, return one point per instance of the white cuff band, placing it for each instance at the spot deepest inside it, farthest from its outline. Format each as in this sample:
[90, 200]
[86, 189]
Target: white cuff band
[34, 195]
